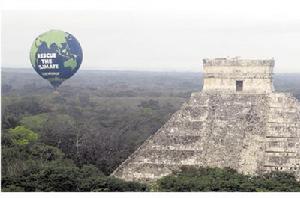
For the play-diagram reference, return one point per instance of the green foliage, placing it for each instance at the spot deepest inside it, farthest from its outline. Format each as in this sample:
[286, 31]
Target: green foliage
[92, 126]
[50, 177]
[15, 108]
[98, 123]
[9, 121]
[151, 104]
[34, 122]
[20, 135]
[12, 188]
[45, 152]
[107, 184]
[68, 178]
[17, 159]
[215, 179]
[277, 182]
[13, 161]
[6, 138]
[40, 167]
[147, 111]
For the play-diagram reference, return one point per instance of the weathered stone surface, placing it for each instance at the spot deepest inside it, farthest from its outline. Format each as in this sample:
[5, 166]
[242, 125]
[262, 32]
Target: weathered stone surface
[221, 74]
[250, 131]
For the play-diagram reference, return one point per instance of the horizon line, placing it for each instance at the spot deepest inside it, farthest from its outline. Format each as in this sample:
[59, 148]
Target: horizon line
[133, 70]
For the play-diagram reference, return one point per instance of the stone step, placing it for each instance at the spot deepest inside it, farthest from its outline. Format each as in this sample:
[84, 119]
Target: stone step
[241, 131]
[270, 167]
[281, 151]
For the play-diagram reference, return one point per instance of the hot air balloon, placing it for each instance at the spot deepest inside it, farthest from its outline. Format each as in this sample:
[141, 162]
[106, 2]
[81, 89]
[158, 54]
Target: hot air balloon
[56, 56]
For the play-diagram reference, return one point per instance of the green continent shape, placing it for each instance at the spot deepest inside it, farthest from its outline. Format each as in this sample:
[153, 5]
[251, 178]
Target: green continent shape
[53, 36]
[33, 51]
[72, 63]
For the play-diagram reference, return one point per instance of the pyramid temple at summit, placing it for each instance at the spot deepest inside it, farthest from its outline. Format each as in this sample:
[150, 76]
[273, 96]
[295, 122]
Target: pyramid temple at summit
[238, 120]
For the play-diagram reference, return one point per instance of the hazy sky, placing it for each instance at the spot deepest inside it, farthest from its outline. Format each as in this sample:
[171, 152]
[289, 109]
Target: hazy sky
[162, 35]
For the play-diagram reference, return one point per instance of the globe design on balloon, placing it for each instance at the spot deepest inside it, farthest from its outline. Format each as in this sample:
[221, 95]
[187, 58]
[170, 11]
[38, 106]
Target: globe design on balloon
[56, 56]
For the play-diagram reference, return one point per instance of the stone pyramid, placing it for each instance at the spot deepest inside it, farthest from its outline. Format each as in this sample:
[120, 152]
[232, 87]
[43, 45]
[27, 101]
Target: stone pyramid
[237, 121]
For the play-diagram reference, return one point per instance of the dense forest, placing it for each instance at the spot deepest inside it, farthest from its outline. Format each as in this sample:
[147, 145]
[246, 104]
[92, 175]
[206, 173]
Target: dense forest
[74, 139]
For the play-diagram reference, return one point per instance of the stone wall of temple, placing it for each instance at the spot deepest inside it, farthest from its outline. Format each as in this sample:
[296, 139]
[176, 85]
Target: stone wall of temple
[283, 133]
[222, 74]
[251, 131]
